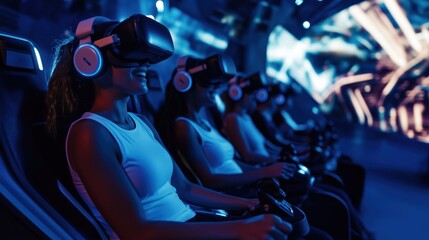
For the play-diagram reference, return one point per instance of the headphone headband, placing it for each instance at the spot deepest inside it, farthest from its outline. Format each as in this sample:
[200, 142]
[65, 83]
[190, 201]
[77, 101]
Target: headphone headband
[181, 63]
[133, 42]
[84, 30]
[182, 81]
[198, 68]
[87, 58]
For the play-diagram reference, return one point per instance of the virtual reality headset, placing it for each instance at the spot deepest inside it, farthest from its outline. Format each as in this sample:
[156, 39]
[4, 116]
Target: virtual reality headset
[287, 90]
[214, 70]
[253, 82]
[277, 88]
[134, 41]
[141, 40]
[281, 91]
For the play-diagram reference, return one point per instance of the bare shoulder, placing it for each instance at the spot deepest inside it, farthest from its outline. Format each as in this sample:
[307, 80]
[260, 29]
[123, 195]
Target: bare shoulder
[87, 130]
[89, 139]
[184, 130]
[182, 124]
[231, 119]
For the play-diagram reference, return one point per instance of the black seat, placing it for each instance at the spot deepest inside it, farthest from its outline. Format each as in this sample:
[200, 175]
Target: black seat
[29, 185]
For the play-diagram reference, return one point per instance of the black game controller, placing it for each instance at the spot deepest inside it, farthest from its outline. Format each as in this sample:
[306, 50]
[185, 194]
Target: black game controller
[273, 200]
[301, 182]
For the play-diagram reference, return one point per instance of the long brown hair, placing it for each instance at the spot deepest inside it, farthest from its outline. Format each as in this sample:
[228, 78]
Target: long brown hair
[174, 106]
[69, 95]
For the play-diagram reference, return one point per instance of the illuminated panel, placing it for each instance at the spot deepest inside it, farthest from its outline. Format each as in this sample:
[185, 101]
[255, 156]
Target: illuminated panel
[19, 59]
[403, 22]
[393, 125]
[39, 59]
[418, 116]
[403, 118]
[364, 106]
[382, 31]
[359, 112]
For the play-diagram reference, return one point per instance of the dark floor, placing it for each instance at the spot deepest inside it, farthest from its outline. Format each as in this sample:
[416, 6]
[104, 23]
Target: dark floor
[396, 199]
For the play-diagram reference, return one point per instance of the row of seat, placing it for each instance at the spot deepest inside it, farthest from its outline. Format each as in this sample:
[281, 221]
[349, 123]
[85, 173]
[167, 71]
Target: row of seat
[36, 182]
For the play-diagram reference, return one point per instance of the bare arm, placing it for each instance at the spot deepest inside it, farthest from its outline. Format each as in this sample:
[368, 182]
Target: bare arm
[237, 135]
[201, 196]
[94, 155]
[189, 144]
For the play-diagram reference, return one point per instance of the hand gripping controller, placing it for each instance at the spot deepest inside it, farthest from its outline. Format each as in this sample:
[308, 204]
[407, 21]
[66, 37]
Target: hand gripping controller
[272, 200]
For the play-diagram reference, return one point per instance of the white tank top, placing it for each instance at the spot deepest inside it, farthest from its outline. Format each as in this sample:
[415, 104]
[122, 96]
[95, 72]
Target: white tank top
[252, 134]
[148, 166]
[219, 151]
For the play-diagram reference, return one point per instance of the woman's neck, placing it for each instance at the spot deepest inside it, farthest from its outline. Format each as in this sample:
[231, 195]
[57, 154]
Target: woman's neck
[266, 113]
[111, 107]
[196, 116]
[193, 110]
[240, 110]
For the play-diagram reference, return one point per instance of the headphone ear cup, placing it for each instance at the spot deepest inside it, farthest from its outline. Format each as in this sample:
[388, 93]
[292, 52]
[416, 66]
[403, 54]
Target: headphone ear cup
[280, 99]
[182, 81]
[235, 92]
[262, 95]
[88, 60]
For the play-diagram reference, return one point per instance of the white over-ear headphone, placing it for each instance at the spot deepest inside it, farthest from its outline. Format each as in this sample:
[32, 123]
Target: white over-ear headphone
[182, 80]
[87, 58]
[234, 91]
[280, 99]
[262, 95]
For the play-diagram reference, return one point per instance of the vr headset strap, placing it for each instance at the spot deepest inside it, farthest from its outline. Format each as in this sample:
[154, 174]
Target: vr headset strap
[107, 41]
[84, 31]
[197, 69]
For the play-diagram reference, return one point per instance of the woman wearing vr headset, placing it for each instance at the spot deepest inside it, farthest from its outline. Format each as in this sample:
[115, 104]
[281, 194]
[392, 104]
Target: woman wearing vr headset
[117, 162]
[185, 129]
[283, 94]
[320, 133]
[238, 125]
[241, 101]
[269, 98]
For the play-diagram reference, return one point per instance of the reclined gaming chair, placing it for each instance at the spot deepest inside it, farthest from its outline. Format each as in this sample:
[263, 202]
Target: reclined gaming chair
[35, 205]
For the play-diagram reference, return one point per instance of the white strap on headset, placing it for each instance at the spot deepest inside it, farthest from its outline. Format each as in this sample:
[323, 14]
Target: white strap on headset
[107, 41]
[234, 80]
[181, 66]
[181, 63]
[84, 30]
[244, 84]
[197, 69]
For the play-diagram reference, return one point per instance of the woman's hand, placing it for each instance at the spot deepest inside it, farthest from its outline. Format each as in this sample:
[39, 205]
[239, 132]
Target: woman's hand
[266, 226]
[250, 204]
[280, 170]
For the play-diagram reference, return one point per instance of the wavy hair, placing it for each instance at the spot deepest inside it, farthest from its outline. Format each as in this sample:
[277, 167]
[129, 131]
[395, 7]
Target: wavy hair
[174, 106]
[69, 95]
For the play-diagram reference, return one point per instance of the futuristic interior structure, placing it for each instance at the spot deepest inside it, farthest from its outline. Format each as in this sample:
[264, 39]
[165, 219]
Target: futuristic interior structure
[362, 65]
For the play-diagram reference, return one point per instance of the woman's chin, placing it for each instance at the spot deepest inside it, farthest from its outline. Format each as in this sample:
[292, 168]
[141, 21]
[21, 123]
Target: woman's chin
[143, 89]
